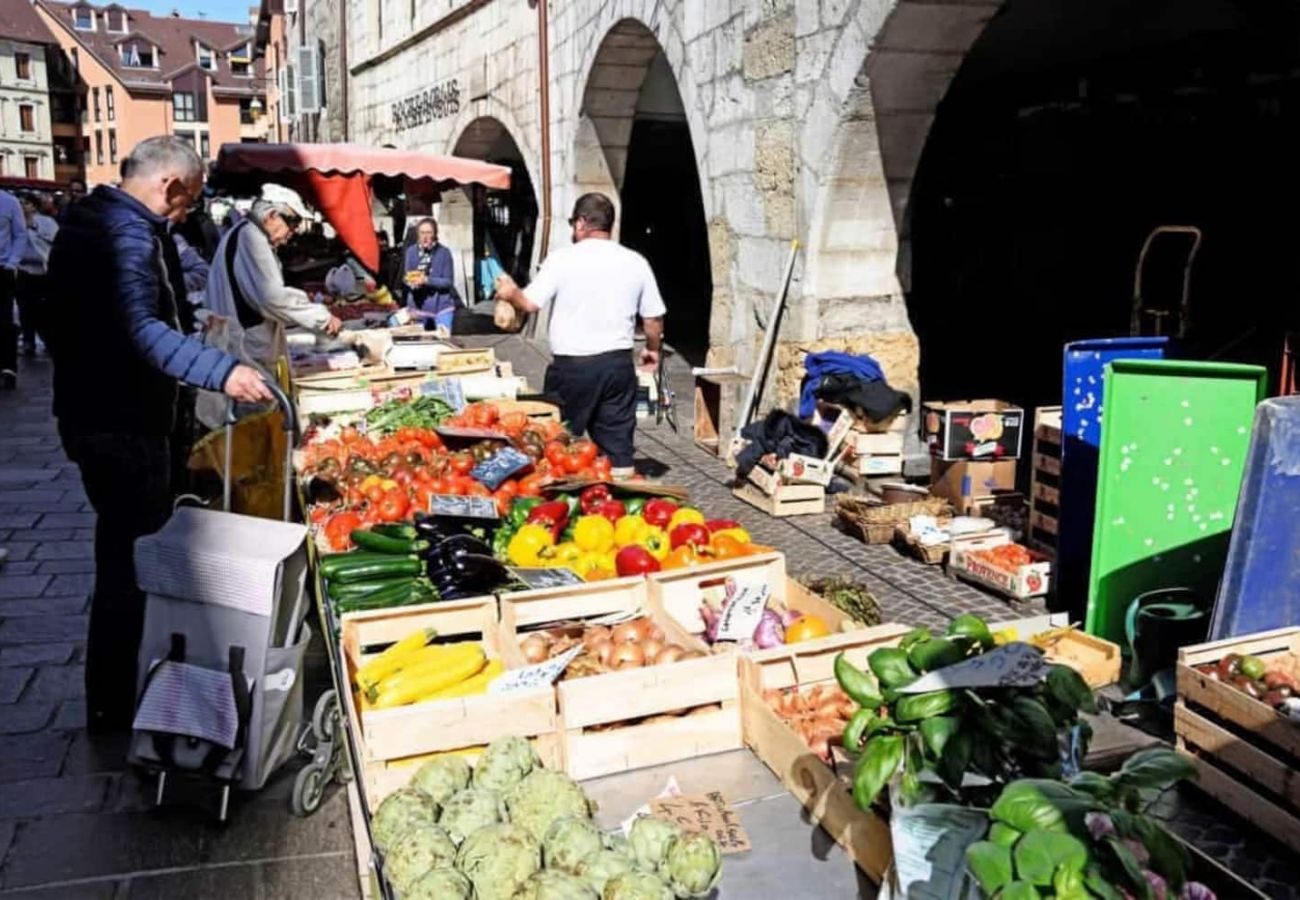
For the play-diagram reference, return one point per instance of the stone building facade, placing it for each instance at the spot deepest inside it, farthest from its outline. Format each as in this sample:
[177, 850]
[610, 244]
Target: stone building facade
[806, 118]
[26, 136]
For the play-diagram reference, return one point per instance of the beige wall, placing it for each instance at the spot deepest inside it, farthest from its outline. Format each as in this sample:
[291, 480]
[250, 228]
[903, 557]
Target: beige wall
[16, 145]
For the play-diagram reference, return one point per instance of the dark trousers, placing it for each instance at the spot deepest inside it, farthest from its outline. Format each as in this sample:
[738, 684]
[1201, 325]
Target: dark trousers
[8, 330]
[127, 478]
[599, 397]
[31, 306]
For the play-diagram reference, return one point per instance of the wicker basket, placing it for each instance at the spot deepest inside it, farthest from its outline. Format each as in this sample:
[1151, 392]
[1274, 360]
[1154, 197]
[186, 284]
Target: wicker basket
[874, 522]
[931, 554]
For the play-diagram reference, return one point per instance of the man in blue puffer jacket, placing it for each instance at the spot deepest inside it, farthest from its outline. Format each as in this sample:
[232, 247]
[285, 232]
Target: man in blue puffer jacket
[116, 280]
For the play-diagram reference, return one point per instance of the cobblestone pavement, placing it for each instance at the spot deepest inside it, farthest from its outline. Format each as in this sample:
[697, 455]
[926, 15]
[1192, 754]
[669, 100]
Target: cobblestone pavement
[74, 823]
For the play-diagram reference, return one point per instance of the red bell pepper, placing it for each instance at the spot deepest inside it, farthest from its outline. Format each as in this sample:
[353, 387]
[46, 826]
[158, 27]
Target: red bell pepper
[612, 510]
[719, 524]
[553, 515]
[593, 497]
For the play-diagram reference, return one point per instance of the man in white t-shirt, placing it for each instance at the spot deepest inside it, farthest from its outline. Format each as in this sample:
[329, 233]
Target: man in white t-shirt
[596, 288]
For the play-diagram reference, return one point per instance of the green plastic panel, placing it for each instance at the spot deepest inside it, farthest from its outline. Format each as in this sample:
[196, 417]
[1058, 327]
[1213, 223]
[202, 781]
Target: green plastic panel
[1173, 449]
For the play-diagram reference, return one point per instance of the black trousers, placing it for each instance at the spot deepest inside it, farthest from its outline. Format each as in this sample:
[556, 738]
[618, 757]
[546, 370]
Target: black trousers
[599, 396]
[31, 306]
[8, 330]
[127, 478]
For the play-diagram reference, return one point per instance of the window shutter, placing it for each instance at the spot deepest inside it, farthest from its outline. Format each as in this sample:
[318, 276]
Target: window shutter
[282, 103]
[308, 82]
[291, 96]
[291, 6]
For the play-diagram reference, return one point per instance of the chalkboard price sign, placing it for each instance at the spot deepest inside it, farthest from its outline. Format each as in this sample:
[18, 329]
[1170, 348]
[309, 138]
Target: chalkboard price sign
[546, 578]
[494, 470]
[460, 507]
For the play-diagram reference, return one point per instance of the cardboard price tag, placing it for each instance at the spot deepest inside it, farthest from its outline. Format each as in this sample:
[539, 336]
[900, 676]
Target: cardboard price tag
[552, 577]
[540, 675]
[1012, 665]
[741, 615]
[706, 813]
[500, 466]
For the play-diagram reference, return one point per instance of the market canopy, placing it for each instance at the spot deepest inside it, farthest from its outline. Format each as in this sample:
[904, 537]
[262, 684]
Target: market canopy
[338, 179]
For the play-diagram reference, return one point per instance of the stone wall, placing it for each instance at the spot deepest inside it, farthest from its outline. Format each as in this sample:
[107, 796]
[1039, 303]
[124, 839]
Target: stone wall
[786, 114]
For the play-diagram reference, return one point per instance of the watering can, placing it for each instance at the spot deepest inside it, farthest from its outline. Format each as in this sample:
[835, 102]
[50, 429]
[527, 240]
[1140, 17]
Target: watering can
[1157, 624]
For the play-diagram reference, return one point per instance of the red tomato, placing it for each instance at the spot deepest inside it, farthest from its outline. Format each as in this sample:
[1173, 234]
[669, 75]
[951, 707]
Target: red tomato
[403, 476]
[461, 463]
[374, 493]
[475, 489]
[319, 514]
[339, 528]
[420, 495]
[585, 451]
[394, 505]
[556, 454]
[511, 488]
[531, 485]
[503, 499]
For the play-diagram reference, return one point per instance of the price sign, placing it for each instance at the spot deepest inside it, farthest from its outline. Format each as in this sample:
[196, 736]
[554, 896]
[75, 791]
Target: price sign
[499, 466]
[559, 576]
[744, 609]
[448, 390]
[540, 675]
[1012, 665]
[457, 506]
[706, 814]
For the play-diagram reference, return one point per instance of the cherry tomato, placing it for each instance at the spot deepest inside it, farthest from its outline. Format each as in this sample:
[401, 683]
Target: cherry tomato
[461, 463]
[403, 476]
[350, 435]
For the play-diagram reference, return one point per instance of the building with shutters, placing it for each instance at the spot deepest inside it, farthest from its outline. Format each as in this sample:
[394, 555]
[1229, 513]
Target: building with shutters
[26, 134]
[137, 75]
[304, 45]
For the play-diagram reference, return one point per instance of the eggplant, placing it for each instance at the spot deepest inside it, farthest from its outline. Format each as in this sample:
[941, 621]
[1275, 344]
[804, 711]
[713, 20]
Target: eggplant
[467, 574]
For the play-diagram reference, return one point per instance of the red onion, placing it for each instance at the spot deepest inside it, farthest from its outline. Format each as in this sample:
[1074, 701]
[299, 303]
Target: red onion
[770, 631]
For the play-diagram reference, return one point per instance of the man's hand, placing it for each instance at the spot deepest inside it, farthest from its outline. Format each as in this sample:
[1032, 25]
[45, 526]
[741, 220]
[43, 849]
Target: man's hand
[419, 279]
[245, 384]
[506, 288]
[333, 326]
[649, 359]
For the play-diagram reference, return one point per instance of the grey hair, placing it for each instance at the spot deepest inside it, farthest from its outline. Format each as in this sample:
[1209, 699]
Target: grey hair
[263, 208]
[163, 153]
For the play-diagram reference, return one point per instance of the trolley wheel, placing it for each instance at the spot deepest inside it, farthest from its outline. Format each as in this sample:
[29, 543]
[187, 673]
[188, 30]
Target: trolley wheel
[325, 717]
[308, 788]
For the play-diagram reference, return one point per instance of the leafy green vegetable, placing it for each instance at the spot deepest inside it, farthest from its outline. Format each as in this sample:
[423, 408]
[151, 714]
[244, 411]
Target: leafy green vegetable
[937, 731]
[1095, 881]
[1019, 890]
[1068, 883]
[1038, 803]
[419, 412]
[1003, 834]
[991, 865]
[856, 683]
[1038, 731]
[1092, 783]
[1132, 868]
[914, 637]
[915, 707]
[878, 763]
[1154, 768]
[890, 666]
[1068, 687]
[933, 654]
[955, 758]
[1040, 852]
[972, 627]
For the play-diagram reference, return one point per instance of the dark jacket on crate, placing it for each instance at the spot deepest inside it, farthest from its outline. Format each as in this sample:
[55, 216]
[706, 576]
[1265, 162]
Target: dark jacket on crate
[115, 280]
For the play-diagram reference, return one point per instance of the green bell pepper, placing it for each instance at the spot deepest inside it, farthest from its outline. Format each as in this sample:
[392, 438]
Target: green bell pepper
[520, 509]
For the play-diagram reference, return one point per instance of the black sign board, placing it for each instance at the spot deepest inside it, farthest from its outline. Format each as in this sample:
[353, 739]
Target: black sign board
[455, 506]
[500, 466]
[546, 578]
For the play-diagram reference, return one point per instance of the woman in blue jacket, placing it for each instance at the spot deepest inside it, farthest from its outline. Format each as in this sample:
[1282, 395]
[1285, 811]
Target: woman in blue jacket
[429, 273]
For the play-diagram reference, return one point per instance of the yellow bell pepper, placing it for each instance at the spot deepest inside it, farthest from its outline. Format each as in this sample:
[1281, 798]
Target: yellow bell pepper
[656, 542]
[739, 534]
[629, 530]
[594, 533]
[566, 554]
[684, 515]
[528, 544]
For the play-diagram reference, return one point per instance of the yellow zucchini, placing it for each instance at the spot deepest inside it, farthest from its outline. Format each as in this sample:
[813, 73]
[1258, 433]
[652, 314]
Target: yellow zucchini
[393, 658]
[417, 683]
[470, 686]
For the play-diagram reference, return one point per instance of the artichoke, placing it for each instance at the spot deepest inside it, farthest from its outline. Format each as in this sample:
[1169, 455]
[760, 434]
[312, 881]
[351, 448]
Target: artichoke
[504, 764]
[498, 859]
[440, 884]
[468, 811]
[422, 848]
[442, 777]
[693, 866]
[636, 886]
[650, 838]
[401, 812]
[551, 885]
[568, 842]
[597, 870]
[543, 797]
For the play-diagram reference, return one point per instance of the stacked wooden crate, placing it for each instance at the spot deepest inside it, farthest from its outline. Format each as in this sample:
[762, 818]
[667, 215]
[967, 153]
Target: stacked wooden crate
[1045, 482]
[876, 452]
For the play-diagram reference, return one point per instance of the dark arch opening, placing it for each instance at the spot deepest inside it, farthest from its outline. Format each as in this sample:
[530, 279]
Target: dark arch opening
[1072, 129]
[633, 101]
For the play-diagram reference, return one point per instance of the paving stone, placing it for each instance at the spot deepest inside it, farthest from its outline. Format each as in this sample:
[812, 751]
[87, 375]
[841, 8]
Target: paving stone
[89, 754]
[308, 878]
[72, 714]
[65, 550]
[36, 654]
[24, 756]
[82, 566]
[40, 629]
[44, 606]
[69, 585]
[23, 585]
[12, 682]
[25, 718]
[57, 683]
[7, 829]
[221, 881]
[87, 845]
[25, 567]
[53, 796]
[95, 890]
[19, 519]
[38, 536]
[67, 520]
[37, 495]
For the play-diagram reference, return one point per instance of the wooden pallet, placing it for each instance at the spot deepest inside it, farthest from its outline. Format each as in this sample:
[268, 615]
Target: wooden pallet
[1247, 754]
[392, 743]
[789, 499]
[1045, 481]
[824, 791]
[629, 719]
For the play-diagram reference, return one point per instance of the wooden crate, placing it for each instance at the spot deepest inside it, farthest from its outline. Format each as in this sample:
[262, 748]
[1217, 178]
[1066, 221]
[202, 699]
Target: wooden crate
[392, 743]
[536, 410]
[1247, 753]
[678, 592]
[825, 791]
[1045, 481]
[367, 874]
[601, 716]
[717, 397]
[1096, 659]
[1032, 580]
[788, 500]
[930, 554]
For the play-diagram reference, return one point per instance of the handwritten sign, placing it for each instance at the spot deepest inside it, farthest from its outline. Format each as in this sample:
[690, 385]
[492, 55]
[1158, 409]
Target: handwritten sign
[558, 576]
[1011, 665]
[470, 434]
[540, 675]
[708, 814]
[457, 506]
[448, 390]
[499, 466]
[741, 614]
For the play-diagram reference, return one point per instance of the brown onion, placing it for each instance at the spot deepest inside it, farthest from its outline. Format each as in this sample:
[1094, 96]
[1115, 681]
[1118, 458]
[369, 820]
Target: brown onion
[602, 650]
[535, 648]
[692, 654]
[595, 635]
[653, 632]
[650, 648]
[628, 632]
[668, 654]
[626, 656]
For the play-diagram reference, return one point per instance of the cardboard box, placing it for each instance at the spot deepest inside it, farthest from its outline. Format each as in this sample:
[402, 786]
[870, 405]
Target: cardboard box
[972, 429]
[800, 469]
[879, 465]
[888, 443]
[1023, 582]
[964, 482]
[764, 480]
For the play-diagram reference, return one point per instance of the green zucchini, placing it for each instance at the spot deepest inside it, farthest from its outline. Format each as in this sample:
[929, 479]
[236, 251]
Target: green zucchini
[400, 595]
[387, 567]
[338, 590]
[396, 530]
[337, 561]
[383, 543]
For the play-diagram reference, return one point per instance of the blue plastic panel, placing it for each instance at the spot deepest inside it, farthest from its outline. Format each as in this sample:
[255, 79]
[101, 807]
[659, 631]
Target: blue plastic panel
[1081, 414]
[1261, 582]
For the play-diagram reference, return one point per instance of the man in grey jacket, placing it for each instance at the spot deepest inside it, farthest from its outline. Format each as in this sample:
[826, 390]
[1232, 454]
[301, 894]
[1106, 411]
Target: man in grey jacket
[246, 284]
